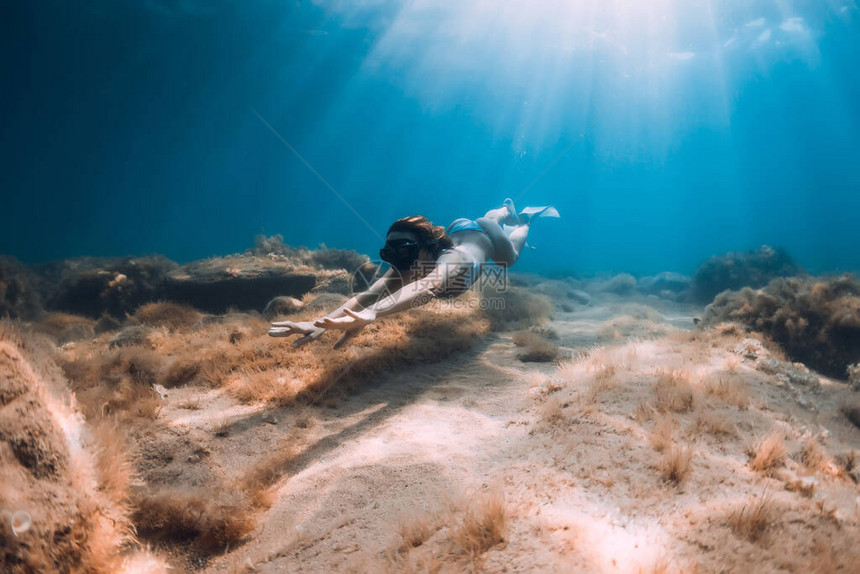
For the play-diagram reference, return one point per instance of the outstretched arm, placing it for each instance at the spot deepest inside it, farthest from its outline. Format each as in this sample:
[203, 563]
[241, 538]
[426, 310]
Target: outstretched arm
[306, 329]
[389, 282]
[309, 331]
[411, 295]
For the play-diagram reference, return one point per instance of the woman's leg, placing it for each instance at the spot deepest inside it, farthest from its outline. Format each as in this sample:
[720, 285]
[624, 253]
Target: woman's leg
[518, 237]
[497, 214]
[506, 246]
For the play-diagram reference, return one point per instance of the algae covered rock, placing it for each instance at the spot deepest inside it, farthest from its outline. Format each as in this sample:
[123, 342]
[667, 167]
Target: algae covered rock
[238, 282]
[321, 258]
[667, 285]
[131, 336]
[19, 298]
[63, 509]
[105, 288]
[854, 376]
[93, 286]
[741, 269]
[621, 284]
[815, 320]
[280, 306]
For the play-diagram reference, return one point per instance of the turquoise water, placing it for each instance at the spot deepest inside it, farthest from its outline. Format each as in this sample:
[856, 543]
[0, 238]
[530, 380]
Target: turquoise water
[665, 132]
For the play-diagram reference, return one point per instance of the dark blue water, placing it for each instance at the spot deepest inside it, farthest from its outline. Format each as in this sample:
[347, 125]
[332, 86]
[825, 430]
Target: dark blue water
[664, 131]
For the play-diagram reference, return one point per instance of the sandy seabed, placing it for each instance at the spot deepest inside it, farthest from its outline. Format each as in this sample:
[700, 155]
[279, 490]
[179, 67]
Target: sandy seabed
[647, 445]
[634, 456]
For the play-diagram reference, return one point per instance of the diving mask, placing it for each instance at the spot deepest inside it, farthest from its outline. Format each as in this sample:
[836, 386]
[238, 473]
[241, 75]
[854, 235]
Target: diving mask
[400, 253]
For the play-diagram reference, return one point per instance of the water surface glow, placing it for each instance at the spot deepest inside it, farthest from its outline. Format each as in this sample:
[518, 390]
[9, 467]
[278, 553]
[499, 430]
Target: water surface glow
[674, 130]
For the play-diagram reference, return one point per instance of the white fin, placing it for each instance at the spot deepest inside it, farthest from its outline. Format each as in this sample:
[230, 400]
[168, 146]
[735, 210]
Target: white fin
[530, 213]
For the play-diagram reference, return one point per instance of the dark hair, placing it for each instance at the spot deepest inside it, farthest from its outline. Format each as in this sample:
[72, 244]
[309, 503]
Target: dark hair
[430, 236]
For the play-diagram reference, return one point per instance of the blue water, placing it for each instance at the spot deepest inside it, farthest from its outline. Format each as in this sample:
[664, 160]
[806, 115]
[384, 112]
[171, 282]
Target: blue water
[664, 131]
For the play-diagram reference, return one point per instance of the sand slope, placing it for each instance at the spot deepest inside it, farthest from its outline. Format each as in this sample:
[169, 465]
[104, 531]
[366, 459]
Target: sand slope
[654, 448]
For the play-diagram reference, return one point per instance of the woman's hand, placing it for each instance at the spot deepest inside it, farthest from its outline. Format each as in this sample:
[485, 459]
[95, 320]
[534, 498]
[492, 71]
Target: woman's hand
[353, 320]
[307, 329]
[352, 324]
